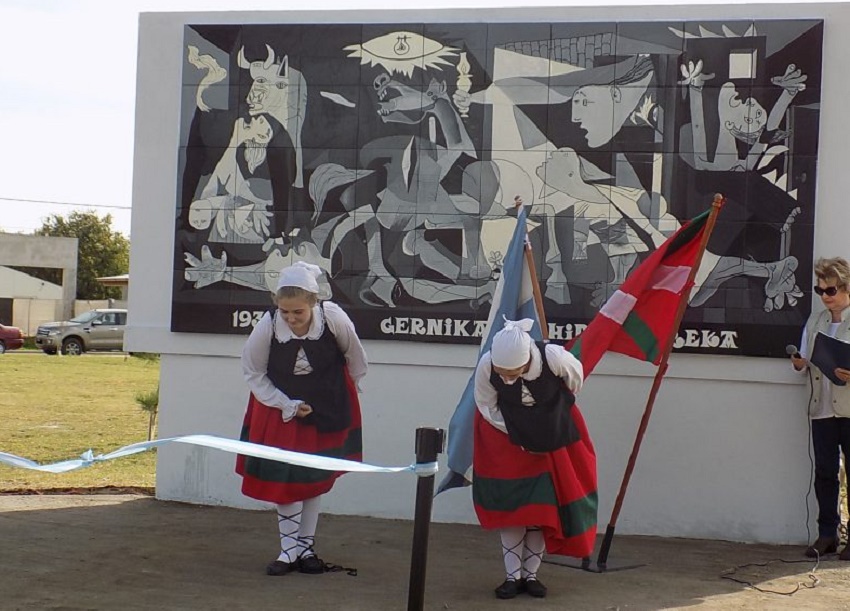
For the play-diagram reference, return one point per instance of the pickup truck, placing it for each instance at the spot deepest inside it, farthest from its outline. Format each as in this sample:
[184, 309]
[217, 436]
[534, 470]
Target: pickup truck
[92, 330]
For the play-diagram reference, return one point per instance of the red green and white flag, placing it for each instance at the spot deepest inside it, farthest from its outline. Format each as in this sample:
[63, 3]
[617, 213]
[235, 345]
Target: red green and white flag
[639, 318]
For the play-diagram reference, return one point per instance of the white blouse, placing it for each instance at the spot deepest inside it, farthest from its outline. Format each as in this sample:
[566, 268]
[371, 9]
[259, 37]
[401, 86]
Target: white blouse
[255, 354]
[562, 363]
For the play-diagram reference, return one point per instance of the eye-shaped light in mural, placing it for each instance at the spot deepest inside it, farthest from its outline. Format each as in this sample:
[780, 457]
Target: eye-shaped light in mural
[402, 52]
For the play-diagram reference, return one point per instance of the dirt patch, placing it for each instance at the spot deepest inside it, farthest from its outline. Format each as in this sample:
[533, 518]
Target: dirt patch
[113, 490]
[134, 552]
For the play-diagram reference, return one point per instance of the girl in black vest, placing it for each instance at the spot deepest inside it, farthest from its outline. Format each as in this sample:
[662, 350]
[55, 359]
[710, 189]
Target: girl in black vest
[534, 468]
[302, 363]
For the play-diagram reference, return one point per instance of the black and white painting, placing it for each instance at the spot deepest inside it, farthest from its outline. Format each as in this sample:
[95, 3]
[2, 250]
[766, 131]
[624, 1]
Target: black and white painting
[391, 155]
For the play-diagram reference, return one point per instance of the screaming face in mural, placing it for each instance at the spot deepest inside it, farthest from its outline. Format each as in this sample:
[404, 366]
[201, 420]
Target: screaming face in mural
[740, 121]
[413, 199]
[228, 198]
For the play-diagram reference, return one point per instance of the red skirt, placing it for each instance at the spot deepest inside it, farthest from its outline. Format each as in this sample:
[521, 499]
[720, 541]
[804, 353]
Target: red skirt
[282, 483]
[553, 490]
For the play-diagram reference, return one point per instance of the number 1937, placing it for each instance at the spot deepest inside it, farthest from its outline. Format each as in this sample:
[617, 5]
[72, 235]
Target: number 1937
[246, 318]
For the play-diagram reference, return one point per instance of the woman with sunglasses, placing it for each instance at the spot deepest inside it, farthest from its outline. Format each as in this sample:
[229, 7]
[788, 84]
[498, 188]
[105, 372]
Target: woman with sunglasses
[829, 404]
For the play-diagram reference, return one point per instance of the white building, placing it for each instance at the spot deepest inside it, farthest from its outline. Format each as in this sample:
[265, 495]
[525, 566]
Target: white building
[726, 453]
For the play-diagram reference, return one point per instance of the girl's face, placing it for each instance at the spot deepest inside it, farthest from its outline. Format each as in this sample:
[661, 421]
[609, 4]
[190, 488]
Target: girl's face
[297, 312]
[510, 376]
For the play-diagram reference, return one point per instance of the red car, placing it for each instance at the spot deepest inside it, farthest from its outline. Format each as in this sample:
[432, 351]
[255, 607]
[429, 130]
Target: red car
[11, 338]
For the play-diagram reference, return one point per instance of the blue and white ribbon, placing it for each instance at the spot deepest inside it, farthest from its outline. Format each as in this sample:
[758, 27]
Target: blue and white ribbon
[220, 443]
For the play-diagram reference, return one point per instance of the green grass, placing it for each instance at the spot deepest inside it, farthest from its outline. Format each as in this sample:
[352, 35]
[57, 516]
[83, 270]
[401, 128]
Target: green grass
[55, 408]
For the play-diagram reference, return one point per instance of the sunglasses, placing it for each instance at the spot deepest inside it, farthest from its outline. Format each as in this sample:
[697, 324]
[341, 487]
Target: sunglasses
[830, 291]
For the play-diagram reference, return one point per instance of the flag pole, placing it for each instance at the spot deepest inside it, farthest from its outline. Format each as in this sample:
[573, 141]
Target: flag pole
[602, 558]
[535, 285]
[535, 288]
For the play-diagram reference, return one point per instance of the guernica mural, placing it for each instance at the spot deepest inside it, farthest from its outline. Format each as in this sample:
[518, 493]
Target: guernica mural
[392, 156]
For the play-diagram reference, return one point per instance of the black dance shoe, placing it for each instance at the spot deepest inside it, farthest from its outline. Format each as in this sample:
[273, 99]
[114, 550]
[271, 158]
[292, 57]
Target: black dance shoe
[535, 588]
[312, 565]
[278, 568]
[508, 589]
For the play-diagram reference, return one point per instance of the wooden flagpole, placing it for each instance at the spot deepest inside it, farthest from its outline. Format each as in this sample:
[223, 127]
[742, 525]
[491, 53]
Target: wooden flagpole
[602, 558]
[535, 285]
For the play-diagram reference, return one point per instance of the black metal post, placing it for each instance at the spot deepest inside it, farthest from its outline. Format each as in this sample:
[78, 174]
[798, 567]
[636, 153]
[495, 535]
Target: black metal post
[429, 443]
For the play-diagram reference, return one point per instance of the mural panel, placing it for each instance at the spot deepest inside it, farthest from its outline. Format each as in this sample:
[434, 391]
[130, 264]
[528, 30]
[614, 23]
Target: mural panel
[391, 156]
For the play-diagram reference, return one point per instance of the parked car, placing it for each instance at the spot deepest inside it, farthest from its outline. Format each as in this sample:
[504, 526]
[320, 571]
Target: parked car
[92, 330]
[11, 338]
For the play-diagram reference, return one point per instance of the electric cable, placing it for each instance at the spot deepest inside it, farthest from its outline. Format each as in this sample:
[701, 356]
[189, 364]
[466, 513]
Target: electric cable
[55, 203]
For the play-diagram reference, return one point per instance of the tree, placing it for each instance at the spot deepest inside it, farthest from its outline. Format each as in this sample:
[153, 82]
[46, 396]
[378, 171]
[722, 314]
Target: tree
[102, 251]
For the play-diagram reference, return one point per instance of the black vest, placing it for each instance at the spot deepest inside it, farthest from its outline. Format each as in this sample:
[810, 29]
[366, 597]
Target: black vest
[548, 424]
[324, 389]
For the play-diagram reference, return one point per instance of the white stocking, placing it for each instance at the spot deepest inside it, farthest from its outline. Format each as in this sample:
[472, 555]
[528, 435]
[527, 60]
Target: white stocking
[288, 523]
[307, 531]
[512, 549]
[532, 552]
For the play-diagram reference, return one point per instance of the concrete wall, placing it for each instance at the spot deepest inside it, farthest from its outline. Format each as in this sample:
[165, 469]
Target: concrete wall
[43, 251]
[726, 452]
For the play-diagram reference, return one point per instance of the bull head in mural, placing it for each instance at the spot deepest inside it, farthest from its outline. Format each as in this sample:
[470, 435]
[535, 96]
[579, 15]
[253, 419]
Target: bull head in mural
[280, 91]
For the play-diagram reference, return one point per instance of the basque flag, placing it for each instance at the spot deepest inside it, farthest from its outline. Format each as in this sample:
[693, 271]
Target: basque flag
[638, 319]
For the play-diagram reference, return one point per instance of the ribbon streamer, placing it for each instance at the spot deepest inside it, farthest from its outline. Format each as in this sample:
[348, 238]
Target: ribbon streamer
[220, 443]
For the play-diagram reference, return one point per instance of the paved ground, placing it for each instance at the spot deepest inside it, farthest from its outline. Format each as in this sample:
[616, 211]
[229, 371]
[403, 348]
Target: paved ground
[73, 552]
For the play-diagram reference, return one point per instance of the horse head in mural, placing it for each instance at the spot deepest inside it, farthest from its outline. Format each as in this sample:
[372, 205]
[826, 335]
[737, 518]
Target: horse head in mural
[280, 91]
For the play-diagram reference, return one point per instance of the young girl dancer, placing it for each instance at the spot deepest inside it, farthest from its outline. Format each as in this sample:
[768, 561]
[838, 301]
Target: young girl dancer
[302, 363]
[534, 468]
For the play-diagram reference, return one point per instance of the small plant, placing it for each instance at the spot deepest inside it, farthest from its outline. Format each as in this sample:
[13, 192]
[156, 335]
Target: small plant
[149, 402]
[145, 356]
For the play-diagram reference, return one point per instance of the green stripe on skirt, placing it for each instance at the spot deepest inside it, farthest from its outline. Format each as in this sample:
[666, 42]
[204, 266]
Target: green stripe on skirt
[274, 471]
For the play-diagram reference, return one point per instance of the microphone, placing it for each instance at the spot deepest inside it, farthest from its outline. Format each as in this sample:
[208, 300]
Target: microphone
[791, 350]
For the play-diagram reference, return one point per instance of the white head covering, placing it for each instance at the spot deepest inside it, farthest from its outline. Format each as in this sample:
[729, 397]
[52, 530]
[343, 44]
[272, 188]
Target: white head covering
[300, 274]
[511, 346]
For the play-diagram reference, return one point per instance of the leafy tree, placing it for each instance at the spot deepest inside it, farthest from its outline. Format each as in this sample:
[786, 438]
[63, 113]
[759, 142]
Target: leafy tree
[102, 251]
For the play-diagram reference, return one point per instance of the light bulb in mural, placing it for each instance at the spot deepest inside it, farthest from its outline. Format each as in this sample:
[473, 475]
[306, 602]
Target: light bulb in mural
[401, 52]
[401, 47]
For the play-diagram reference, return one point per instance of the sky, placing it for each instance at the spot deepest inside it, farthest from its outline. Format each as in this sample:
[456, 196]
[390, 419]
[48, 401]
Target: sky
[67, 98]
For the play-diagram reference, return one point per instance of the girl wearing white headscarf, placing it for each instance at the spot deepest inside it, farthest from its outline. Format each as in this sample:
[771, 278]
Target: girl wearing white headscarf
[534, 468]
[302, 362]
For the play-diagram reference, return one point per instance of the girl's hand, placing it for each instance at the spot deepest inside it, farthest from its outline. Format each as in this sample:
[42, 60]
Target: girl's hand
[303, 410]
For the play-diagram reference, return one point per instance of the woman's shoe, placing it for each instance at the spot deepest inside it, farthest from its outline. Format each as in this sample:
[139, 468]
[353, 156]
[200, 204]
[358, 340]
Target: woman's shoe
[822, 546]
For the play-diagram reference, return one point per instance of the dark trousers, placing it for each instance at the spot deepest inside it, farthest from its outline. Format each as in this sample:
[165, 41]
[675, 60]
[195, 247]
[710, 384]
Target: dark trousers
[828, 436]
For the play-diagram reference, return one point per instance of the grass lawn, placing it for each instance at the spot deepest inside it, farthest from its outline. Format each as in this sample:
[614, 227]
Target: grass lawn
[55, 408]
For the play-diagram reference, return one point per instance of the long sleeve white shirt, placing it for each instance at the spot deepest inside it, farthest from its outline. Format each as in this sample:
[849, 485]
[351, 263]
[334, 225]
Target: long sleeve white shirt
[255, 354]
[562, 363]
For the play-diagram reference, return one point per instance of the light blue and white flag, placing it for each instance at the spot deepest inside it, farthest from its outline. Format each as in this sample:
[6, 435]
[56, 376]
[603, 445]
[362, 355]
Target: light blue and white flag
[513, 299]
